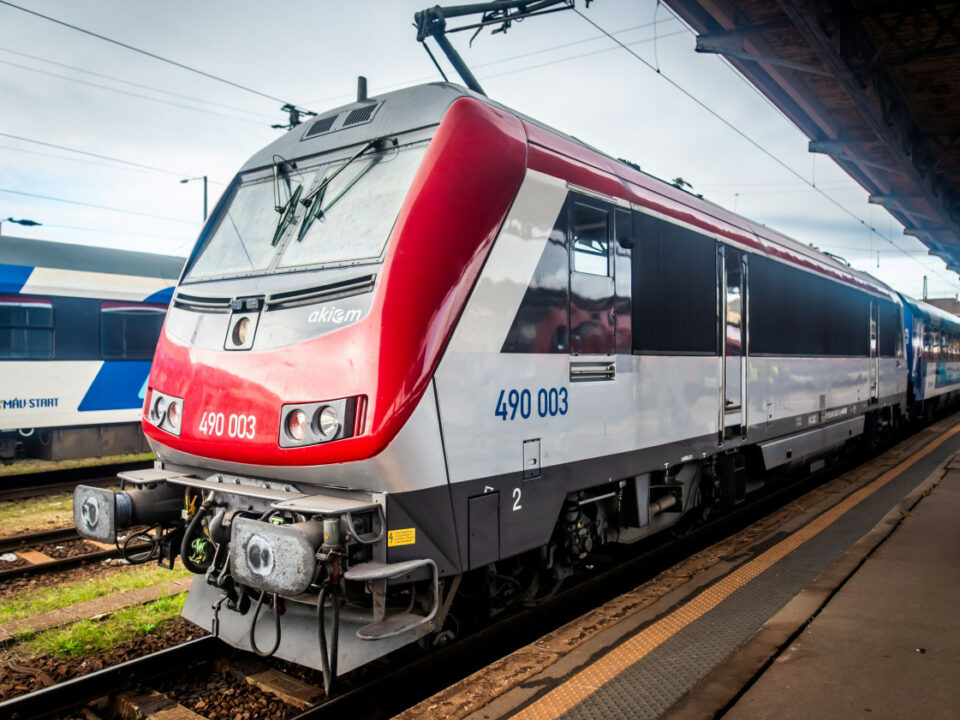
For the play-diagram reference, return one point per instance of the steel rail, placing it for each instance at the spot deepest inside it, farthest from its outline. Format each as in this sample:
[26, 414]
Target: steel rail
[70, 694]
[58, 564]
[12, 543]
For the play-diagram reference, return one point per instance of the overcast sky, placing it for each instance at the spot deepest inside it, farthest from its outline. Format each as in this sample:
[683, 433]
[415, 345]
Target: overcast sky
[554, 68]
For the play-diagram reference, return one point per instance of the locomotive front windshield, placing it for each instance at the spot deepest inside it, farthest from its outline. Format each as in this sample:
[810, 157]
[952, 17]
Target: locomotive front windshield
[348, 217]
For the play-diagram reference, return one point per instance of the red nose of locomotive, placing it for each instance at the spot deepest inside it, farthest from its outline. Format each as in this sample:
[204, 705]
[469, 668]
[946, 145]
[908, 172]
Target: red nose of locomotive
[304, 403]
[277, 368]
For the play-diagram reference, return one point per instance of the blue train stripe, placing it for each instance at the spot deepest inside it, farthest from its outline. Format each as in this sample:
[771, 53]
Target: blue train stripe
[13, 277]
[160, 296]
[116, 386]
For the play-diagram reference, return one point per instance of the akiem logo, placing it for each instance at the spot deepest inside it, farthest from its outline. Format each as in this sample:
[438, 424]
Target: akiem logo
[335, 315]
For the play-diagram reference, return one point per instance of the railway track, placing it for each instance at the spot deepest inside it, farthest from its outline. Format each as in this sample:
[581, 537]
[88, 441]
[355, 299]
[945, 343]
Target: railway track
[49, 482]
[72, 694]
[34, 561]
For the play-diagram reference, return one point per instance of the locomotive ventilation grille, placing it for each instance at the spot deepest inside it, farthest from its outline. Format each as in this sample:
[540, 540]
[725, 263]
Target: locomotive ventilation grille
[357, 116]
[321, 293]
[360, 115]
[320, 126]
[198, 303]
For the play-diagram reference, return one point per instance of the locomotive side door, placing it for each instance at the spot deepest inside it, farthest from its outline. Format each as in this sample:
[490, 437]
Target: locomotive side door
[733, 323]
[874, 370]
[592, 313]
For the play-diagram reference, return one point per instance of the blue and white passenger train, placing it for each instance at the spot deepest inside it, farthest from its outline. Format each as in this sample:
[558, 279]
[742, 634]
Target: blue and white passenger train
[428, 351]
[78, 328]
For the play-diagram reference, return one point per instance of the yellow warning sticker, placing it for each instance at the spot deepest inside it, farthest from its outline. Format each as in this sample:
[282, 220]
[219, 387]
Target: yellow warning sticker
[406, 536]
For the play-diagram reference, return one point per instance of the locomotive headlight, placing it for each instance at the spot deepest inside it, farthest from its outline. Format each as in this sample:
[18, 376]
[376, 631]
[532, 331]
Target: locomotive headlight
[328, 421]
[315, 423]
[297, 425]
[241, 331]
[159, 407]
[166, 411]
[173, 415]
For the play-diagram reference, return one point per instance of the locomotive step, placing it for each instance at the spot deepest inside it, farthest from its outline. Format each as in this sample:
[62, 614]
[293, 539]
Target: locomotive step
[394, 625]
[387, 626]
[365, 572]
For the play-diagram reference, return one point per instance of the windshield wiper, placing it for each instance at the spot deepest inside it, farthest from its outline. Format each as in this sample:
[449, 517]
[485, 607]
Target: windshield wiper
[286, 215]
[315, 199]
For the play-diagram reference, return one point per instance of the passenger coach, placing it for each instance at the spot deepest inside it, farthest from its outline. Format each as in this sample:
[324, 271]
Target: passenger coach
[78, 328]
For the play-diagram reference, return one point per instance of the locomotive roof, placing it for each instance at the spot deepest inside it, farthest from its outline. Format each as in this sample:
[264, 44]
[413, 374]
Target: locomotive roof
[32, 252]
[422, 106]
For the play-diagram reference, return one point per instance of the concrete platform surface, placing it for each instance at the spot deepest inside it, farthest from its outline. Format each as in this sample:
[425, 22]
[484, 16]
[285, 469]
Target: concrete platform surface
[887, 645]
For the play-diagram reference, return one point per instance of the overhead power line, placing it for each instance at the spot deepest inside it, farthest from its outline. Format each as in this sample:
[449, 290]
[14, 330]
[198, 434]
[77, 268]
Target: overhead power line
[95, 155]
[760, 147]
[128, 93]
[110, 165]
[131, 83]
[510, 58]
[98, 207]
[147, 53]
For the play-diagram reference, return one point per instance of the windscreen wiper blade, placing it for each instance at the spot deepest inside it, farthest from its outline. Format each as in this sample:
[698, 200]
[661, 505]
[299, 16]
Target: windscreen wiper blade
[286, 215]
[315, 199]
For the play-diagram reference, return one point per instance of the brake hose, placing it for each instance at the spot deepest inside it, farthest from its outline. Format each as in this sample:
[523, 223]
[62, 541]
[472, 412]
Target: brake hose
[253, 626]
[328, 660]
[195, 522]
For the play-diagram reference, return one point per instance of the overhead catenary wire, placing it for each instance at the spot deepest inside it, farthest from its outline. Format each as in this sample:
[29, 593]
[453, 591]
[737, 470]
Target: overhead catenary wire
[759, 147]
[128, 93]
[64, 156]
[131, 83]
[146, 53]
[510, 58]
[95, 206]
[99, 156]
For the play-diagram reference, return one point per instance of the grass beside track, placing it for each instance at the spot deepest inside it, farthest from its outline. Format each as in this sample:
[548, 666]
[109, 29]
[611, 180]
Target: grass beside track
[24, 467]
[43, 599]
[39, 513]
[90, 637]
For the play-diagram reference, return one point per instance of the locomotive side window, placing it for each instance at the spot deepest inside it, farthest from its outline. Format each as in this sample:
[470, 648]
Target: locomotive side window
[591, 240]
[891, 339]
[592, 291]
[26, 329]
[794, 312]
[674, 290]
[129, 332]
[541, 322]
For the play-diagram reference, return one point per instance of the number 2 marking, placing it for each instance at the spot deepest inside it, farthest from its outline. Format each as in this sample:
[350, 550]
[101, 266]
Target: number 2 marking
[516, 500]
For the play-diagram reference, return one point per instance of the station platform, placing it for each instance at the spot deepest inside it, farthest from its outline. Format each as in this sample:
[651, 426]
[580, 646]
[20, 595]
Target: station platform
[848, 609]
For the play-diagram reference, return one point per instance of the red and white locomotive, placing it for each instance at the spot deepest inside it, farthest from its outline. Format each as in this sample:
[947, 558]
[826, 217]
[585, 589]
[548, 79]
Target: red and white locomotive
[426, 339]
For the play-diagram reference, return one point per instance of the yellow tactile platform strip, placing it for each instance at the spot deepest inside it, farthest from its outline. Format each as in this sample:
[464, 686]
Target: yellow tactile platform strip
[576, 689]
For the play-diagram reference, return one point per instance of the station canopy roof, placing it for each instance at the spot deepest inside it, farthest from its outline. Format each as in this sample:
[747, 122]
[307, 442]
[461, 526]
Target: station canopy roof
[874, 84]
